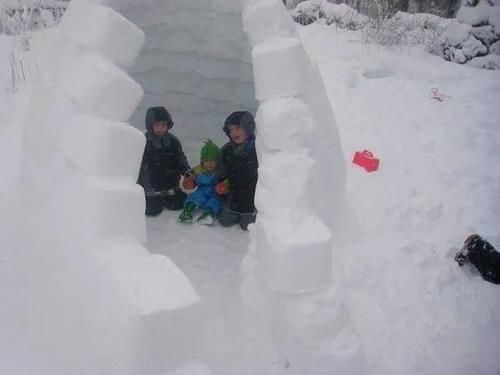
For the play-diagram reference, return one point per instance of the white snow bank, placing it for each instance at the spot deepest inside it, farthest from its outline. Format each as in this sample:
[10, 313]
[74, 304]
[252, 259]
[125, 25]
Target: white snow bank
[339, 14]
[414, 309]
[475, 16]
[150, 282]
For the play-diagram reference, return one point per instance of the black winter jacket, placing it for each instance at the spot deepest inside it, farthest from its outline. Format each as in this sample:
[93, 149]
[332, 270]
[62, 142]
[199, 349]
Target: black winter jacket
[240, 167]
[163, 162]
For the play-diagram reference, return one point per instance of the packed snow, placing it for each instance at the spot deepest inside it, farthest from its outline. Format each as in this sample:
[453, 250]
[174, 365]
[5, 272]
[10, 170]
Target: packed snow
[83, 295]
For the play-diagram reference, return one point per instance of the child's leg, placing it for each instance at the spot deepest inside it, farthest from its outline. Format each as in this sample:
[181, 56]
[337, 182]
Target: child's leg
[213, 204]
[228, 218]
[175, 201]
[246, 220]
[154, 205]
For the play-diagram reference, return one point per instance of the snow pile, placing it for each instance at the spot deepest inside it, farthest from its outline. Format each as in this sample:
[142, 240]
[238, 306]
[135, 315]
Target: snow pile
[475, 40]
[340, 15]
[75, 265]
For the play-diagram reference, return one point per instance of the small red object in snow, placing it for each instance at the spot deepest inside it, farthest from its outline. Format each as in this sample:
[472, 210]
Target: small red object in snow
[366, 160]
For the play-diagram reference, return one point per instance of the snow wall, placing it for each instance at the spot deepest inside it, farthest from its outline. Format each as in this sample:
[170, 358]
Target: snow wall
[73, 226]
[301, 163]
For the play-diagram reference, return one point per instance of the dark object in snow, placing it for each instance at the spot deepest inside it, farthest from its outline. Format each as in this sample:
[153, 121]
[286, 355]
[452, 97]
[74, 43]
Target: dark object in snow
[482, 255]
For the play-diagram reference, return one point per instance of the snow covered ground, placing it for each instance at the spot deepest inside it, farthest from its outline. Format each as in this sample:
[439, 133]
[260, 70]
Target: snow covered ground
[413, 311]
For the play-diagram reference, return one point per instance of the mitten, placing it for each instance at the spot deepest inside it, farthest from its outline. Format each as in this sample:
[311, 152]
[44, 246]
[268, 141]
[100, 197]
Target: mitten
[187, 183]
[221, 188]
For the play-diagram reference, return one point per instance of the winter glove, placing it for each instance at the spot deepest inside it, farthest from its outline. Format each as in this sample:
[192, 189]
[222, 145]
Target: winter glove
[187, 183]
[221, 188]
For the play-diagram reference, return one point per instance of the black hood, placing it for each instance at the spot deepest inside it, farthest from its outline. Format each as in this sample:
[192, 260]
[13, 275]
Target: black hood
[154, 114]
[242, 119]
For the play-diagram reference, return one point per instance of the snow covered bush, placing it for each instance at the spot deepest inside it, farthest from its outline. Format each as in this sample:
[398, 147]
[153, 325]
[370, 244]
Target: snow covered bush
[338, 14]
[405, 29]
[474, 37]
[17, 17]
[474, 34]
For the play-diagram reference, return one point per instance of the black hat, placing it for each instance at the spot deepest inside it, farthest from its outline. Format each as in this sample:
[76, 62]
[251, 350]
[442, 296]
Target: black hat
[155, 114]
[243, 119]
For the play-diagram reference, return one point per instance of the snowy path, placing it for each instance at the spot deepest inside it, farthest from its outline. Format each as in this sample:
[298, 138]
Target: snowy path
[215, 331]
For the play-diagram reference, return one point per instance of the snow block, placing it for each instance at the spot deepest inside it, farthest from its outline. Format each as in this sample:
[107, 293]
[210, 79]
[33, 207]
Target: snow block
[267, 19]
[99, 88]
[284, 180]
[279, 67]
[296, 255]
[150, 282]
[114, 208]
[108, 32]
[99, 147]
[285, 123]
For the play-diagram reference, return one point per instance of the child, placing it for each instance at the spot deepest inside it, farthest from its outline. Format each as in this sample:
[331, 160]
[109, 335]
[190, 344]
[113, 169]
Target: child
[163, 163]
[482, 255]
[239, 162]
[200, 187]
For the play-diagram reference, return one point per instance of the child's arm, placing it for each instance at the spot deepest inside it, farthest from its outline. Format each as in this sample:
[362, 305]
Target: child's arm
[188, 180]
[181, 159]
[143, 178]
[223, 187]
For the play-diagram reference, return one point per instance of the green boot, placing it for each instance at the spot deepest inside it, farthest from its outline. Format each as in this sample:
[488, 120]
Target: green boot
[186, 215]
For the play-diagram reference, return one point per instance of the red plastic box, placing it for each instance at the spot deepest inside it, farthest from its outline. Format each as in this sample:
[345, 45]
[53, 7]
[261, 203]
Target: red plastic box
[366, 160]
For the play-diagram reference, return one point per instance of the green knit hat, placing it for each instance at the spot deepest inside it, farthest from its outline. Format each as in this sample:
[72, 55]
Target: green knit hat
[209, 151]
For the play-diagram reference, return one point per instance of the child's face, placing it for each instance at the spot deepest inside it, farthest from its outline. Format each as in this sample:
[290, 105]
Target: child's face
[160, 128]
[237, 134]
[209, 165]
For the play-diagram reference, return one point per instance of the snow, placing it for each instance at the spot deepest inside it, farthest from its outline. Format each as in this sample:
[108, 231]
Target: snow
[86, 132]
[475, 16]
[80, 301]
[339, 14]
[279, 68]
[111, 31]
[262, 19]
[436, 185]
[491, 62]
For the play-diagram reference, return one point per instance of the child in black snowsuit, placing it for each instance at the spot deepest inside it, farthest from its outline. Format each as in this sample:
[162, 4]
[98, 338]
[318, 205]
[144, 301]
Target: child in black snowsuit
[163, 163]
[483, 256]
[239, 167]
